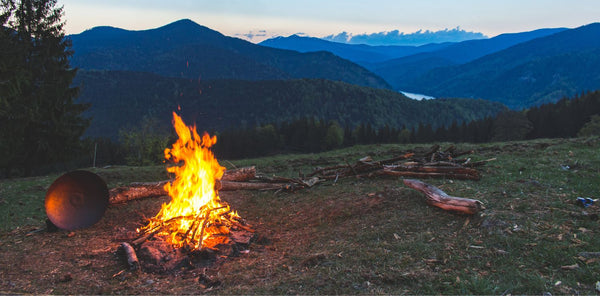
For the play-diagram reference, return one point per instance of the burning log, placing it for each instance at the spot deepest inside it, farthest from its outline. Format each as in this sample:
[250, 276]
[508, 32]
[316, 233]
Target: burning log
[153, 189]
[440, 199]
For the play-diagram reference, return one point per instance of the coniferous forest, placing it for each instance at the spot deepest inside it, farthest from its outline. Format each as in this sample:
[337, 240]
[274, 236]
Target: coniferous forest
[569, 117]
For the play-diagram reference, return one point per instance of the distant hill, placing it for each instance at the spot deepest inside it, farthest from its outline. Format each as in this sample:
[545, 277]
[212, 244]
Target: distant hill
[398, 65]
[398, 72]
[531, 73]
[358, 53]
[188, 50]
[121, 99]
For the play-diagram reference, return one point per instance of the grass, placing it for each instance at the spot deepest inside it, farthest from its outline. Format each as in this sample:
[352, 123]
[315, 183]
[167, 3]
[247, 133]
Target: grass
[358, 236]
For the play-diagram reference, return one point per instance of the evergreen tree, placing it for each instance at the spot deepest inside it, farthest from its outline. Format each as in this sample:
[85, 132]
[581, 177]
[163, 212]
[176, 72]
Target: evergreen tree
[510, 126]
[39, 123]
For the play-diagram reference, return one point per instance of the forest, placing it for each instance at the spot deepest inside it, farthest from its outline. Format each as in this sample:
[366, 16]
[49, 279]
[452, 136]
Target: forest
[569, 117]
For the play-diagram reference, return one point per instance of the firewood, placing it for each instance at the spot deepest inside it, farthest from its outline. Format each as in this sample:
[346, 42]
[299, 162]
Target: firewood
[154, 189]
[412, 174]
[232, 186]
[130, 256]
[240, 175]
[453, 172]
[437, 197]
[134, 191]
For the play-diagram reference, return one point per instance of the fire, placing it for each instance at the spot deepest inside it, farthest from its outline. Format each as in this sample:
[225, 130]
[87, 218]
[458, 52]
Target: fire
[195, 217]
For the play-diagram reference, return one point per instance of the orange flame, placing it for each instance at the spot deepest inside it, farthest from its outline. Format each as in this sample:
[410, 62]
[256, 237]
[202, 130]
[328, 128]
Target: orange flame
[195, 216]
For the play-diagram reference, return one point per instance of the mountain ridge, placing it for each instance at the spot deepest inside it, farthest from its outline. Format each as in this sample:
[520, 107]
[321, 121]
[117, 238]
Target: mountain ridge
[513, 76]
[186, 49]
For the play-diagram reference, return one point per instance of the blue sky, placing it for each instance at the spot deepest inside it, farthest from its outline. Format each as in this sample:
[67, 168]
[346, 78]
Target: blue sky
[325, 17]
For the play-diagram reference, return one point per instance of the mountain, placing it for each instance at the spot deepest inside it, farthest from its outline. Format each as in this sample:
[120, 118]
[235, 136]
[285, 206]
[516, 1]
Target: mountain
[186, 49]
[122, 99]
[531, 73]
[398, 72]
[359, 53]
[398, 65]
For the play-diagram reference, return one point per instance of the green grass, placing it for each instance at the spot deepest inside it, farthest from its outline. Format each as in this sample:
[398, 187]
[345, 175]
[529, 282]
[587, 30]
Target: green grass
[376, 236]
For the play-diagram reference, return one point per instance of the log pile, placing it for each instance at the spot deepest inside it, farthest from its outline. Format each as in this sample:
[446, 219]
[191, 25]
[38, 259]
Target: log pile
[433, 163]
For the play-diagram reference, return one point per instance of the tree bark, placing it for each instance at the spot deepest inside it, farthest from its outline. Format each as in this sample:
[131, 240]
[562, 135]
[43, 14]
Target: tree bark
[440, 199]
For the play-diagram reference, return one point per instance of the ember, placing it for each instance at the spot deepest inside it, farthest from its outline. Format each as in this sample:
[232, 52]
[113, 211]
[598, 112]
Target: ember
[195, 217]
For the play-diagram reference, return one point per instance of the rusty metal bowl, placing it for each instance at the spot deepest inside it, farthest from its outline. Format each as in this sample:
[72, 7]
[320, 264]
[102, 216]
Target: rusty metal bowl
[77, 199]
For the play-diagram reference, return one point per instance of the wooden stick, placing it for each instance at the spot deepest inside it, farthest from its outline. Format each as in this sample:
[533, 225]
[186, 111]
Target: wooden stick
[429, 175]
[440, 199]
[435, 171]
[130, 256]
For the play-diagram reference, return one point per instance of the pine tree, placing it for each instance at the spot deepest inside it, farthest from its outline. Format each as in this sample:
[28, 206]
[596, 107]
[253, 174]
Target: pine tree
[40, 122]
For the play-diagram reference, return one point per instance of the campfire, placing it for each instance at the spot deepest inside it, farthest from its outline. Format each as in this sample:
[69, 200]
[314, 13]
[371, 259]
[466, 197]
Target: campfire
[195, 217]
[195, 223]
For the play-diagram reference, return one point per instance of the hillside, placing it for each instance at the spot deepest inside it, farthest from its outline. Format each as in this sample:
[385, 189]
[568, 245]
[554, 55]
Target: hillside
[188, 50]
[400, 64]
[368, 235]
[530, 73]
[121, 99]
[358, 53]
[398, 72]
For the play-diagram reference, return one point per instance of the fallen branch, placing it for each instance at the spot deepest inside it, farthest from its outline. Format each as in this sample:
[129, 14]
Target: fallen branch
[451, 172]
[440, 199]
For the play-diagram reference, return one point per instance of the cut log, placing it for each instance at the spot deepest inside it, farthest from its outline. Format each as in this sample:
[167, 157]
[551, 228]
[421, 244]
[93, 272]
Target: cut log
[232, 186]
[134, 191]
[440, 199]
[240, 175]
[153, 189]
[130, 256]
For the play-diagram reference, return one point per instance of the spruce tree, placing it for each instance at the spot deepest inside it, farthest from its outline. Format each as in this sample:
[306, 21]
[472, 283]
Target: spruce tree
[40, 123]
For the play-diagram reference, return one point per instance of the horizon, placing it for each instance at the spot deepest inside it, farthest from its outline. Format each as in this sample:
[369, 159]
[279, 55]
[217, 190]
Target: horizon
[257, 20]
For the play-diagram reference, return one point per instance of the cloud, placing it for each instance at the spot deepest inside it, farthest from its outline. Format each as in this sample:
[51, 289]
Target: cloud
[396, 37]
[253, 36]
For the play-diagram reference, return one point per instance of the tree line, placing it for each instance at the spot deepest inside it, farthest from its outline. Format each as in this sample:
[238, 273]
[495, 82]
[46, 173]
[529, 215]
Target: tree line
[569, 117]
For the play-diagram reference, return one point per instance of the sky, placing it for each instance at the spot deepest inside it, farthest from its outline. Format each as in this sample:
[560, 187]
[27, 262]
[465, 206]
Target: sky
[263, 19]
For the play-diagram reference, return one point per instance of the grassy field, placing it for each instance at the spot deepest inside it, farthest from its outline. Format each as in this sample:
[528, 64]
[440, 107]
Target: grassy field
[357, 236]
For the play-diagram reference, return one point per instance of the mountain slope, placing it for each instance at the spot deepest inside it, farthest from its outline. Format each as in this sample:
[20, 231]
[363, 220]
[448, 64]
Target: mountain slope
[121, 99]
[186, 49]
[358, 53]
[531, 73]
[399, 71]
